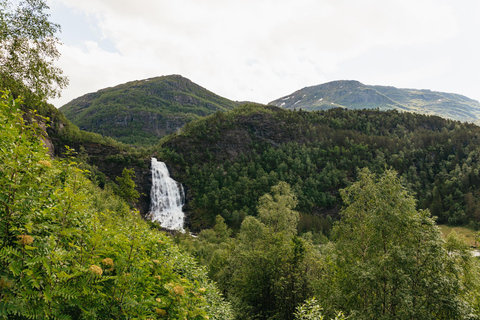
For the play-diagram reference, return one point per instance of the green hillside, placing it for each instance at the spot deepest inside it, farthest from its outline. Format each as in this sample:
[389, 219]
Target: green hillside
[141, 112]
[355, 95]
[228, 160]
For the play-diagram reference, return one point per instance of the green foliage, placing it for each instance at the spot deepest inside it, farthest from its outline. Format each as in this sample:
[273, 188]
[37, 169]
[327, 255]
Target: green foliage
[125, 187]
[269, 269]
[310, 310]
[467, 268]
[72, 251]
[229, 160]
[275, 210]
[211, 248]
[28, 48]
[389, 258]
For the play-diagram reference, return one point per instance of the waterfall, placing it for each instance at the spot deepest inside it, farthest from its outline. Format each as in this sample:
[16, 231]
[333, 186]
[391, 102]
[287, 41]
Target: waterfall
[167, 198]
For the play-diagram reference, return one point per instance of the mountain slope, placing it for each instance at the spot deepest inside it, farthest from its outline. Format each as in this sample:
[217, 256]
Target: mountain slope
[226, 161]
[107, 156]
[140, 112]
[355, 95]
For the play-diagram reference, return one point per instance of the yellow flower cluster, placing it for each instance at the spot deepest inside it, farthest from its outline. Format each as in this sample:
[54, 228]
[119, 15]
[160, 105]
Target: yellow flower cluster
[161, 312]
[25, 239]
[45, 163]
[179, 290]
[108, 262]
[96, 270]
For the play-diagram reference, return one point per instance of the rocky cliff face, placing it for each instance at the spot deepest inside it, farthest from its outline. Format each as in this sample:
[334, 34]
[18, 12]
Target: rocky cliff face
[152, 124]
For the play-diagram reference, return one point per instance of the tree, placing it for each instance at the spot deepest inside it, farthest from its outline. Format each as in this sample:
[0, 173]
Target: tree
[310, 310]
[390, 259]
[211, 248]
[275, 210]
[126, 187]
[28, 50]
[267, 273]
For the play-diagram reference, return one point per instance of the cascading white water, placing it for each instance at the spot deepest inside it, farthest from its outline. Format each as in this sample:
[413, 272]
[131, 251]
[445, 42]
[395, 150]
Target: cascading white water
[167, 198]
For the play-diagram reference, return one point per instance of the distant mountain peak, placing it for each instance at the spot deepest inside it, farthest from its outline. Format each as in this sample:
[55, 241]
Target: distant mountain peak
[340, 83]
[352, 94]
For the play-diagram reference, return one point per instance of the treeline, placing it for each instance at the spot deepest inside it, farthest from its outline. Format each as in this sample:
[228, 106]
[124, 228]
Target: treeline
[228, 160]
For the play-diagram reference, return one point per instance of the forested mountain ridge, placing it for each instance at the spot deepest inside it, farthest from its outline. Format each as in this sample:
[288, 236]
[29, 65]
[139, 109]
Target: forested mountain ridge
[355, 95]
[228, 160]
[141, 112]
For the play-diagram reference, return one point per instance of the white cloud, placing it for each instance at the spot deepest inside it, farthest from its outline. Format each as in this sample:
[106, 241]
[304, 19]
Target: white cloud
[411, 77]
[245, 50]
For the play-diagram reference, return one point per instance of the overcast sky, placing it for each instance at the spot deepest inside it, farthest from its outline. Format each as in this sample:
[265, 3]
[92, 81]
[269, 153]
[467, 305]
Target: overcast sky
[261, 50]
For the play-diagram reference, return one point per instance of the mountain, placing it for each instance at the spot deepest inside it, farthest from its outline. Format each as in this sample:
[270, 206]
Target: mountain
[227, 161]
[141, 112]
[355, 95]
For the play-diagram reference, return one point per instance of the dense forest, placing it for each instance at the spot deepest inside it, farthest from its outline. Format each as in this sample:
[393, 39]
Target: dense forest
[300, 215]
[386, 260]
[229, 160]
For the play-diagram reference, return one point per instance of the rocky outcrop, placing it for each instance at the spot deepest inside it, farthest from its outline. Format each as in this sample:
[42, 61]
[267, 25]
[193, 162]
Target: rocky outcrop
[151, 123]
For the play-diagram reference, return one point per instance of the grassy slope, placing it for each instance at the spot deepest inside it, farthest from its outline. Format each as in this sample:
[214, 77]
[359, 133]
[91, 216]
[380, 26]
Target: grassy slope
[467, 234]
